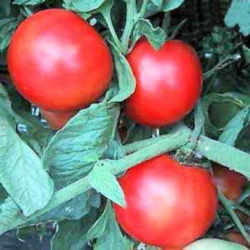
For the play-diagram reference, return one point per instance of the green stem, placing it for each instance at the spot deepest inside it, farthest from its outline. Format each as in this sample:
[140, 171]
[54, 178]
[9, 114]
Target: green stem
[168, 143]
[215, 151]
[109, 22]
[229, 207]
[130, 21]
[164, 144]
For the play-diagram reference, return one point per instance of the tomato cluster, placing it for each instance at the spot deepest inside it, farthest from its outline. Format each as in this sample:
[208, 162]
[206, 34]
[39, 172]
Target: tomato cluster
[60, 63]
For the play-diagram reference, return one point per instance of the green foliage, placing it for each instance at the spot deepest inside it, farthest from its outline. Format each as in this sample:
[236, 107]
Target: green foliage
[7, 27]
[82, 5]
[125, 75]
[33, 190]
[101, 179]
[107, 232]
[5, 8]
[235, 126]
[71, 235]
[84, 157]
[73, 150]
[156, 36]
[239, 14]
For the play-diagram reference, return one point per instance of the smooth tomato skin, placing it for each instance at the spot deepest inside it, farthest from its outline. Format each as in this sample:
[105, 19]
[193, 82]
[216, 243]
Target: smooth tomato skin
[58, 61]
[229, 182]
[167, 204]
[57, 120]
[168, 82]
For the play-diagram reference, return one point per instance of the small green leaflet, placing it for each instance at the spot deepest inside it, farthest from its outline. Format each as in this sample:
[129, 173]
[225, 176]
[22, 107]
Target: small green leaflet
[7, 27]
[235, 126]
[156, 36]
[239, 14]
[107, 232]
[83, 5]
[101, 179]
[125, 76]
[157, 3]
[28, 2]
[169, 5]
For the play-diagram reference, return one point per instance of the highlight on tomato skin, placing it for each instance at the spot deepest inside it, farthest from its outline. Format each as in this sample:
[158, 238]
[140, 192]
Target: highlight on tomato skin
[59, 62]
[57, 120]
[168, 204]
[168, 82]
[228, 181]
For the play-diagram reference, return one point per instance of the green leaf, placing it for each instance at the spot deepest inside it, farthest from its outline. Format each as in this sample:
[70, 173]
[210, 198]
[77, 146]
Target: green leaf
[7, 27]
[235, 126]
[107, 232]
[156, 36]
[214, 244]
[157, 3]
[125, 75]
[74, 149]
[22, 173]
[239, 14]
[71, 235]
[28, 2]
[105, 182]
[73, 209]
[169, 5]
[215, 104]
[86, 6]
[10, 214]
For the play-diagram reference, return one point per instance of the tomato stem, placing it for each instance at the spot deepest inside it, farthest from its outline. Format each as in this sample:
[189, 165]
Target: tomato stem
[229, 207]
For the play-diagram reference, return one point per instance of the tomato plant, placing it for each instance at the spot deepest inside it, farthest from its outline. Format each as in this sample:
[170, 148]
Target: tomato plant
[168, 82]
[167, 204]
[58, 61]
[229, 182]
[125, 98]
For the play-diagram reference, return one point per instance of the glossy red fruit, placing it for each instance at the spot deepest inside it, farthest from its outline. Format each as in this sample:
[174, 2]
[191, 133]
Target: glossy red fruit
[168, 82]
[229, 182]
[167, 204]
[58, 61]
[57, 120]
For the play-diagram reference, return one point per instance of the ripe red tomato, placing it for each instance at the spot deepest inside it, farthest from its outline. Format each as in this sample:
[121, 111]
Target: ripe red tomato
[58, 61]
[168, 82]
[57, 120]
[167, 204]
[230, 182]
